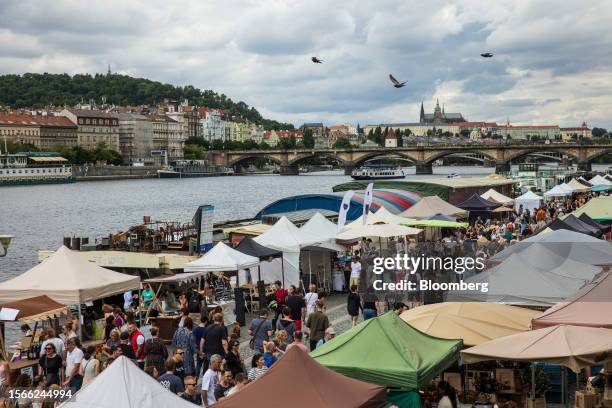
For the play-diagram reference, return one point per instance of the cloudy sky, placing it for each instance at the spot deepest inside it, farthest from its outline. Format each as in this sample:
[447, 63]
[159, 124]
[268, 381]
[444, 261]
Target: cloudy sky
[552, 64]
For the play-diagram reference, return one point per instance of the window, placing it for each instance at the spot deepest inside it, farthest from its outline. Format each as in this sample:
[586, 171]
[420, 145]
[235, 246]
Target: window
[81, 121]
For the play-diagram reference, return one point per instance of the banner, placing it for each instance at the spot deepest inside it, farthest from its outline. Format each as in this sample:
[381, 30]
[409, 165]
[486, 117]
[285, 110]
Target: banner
[344, 207]
[367, 201]
[203, 220]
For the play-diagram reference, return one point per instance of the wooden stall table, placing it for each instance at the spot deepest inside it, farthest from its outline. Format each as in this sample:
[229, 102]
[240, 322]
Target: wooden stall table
[22, 367]
[167, 325]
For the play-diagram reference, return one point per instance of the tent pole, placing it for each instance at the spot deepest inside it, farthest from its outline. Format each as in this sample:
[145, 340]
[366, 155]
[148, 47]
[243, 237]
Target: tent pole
[533, 385]
[309, 269]
[80, 328]
[283, 268]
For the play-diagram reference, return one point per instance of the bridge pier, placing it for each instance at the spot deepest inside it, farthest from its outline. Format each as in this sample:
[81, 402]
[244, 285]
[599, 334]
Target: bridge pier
[584, 166]
[348, 169]
[502, 168]
[289, 170]
[424, 168]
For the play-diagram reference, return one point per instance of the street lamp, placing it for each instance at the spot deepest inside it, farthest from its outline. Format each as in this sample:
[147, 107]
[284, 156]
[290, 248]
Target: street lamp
[5, 241]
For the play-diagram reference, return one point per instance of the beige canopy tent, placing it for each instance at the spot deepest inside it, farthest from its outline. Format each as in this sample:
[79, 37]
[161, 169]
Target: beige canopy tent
[578, 186]
[473, 322]
[68, 279]
[432, 205]
[494, 195]
[382, 216]
[376, 230]
[571, 346]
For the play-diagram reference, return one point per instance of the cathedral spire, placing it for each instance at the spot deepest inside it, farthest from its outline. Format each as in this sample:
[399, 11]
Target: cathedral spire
[422, 117]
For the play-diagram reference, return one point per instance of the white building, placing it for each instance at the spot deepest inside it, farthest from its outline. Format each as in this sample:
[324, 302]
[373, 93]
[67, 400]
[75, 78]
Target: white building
[211, 127]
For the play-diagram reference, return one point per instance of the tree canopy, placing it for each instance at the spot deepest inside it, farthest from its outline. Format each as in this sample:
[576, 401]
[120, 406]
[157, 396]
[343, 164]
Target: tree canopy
[40, 90]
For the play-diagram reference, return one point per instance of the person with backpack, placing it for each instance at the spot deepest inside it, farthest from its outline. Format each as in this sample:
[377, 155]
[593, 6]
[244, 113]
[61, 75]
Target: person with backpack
[280, 296]
[194, 302]
[287, 324]
[260, 330]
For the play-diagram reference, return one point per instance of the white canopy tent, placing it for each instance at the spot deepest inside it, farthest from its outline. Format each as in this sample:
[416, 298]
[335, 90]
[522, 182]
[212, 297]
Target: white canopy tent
[494, 195]
[376, 230]
[222, 258]
[578, 186]
[124, 385]
[320, 227]
[68, 279]
[529, 201]
[284, 236]
[558, 191]
[600, 181]
[382, 216]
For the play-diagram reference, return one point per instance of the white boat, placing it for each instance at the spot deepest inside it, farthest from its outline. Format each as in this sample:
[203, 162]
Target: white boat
[377, 172]
[34, 168]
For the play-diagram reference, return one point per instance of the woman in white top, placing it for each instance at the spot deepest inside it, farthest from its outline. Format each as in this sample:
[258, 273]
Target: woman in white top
[449, 397]
[90, 366]
[311, 299]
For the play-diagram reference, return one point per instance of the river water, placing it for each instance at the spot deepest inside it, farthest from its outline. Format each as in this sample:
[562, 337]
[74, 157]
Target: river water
[39, 216]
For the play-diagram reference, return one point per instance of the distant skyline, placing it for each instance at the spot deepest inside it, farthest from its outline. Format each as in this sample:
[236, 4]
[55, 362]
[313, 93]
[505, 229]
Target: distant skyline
[552, 62]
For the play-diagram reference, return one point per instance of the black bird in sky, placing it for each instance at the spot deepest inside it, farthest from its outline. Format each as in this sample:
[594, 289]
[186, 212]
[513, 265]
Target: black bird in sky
[316, 60]
[396, 83]
[486, 55]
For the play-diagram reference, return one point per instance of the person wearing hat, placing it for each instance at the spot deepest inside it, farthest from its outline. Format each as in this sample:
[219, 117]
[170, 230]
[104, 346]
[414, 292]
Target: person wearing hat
[330, 333]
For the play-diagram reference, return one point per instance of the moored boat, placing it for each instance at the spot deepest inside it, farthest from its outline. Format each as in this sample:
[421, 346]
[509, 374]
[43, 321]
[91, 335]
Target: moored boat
[193, 168]
[34, 168]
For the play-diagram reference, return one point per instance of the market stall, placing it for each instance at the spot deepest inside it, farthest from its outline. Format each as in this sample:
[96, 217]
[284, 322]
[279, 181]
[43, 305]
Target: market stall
[478, 207]
[32, 310]
[540, 281]
[298, 378]
[598, 208]
[432, 205]
[578, 186]
[528, 201]
[496, 196]
[473, 322]
[591, 307]
[558, 191]
[575, 246]
[68, 279]
[570, 346]
[600, 181]
[574, 224]
[376, 230]
[387, 351]
[286, 237]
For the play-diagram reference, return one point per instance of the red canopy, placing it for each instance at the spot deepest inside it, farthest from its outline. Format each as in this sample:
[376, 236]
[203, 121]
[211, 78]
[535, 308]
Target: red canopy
[298, 381]
[591, 306]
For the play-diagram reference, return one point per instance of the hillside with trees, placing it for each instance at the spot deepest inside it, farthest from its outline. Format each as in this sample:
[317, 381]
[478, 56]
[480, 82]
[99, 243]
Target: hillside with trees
[39, 90]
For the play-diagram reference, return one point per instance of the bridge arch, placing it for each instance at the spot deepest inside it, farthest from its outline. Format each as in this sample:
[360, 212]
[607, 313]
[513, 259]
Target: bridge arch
[314, 153]
[445, 153]
[243, 159]
[540, 149]
[381, 154]
[600, 153]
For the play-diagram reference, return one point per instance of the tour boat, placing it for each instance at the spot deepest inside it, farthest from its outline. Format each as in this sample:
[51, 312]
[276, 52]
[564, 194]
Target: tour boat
[377, 172]
[34, 168]
[193, 168]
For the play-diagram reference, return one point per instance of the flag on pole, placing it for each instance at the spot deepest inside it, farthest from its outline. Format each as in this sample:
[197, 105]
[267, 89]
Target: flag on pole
[367, 201]
[344, 207]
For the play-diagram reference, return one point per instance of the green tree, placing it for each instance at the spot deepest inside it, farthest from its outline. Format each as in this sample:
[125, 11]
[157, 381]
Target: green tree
[198, 141]
[264, 146]
[194, 152]
[342, 143]
[217, 144]
[598, 132]
[307, 139]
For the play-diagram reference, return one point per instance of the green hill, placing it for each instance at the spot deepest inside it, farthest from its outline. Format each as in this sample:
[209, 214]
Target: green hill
[39, 90]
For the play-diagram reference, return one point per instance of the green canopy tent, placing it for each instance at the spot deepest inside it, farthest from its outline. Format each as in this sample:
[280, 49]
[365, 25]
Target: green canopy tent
[386, 350]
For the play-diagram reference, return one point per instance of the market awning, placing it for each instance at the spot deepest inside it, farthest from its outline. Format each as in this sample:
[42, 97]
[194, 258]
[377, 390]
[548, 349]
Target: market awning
[435, 224]
[598, 208]
[377, 230]
[496, 196]
[250, 247]
[69, 279]
[386, 350]
[473, 322]
[222, 258]
[571, 346]
[432, 205]
[178, 278]
[35, 309]
[48, 159]
[125, 259]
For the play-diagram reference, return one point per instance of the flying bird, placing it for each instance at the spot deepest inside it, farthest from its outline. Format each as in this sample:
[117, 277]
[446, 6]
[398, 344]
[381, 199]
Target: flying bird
[316, 60]
[396, 83]
[486, 55]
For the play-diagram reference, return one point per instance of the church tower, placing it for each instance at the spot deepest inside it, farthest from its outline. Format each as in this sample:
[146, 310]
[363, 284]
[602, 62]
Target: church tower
[422, 117]
[437, 113]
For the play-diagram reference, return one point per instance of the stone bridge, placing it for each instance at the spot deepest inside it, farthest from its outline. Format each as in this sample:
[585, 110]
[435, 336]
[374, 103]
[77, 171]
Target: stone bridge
[421, 156]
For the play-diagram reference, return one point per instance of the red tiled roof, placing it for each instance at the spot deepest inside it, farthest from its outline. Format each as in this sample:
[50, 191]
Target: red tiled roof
[35, 121]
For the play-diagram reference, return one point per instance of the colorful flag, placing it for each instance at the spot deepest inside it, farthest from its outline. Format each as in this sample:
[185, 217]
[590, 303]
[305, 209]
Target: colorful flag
[344, 207]
[367, 201]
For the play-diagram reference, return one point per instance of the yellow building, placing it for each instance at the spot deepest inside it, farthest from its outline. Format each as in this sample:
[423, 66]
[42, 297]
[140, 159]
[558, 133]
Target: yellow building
[94, 127]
